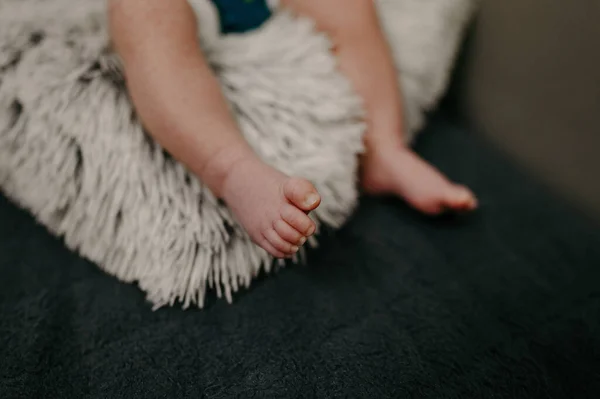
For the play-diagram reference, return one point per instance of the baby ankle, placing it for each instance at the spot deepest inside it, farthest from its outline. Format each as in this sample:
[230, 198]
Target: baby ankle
[222, 165]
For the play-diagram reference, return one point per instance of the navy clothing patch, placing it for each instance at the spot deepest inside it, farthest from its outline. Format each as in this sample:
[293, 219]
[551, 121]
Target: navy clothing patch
[238, 16]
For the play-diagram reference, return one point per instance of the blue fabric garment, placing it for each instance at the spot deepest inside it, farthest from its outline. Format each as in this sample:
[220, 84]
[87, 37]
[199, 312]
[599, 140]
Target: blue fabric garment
[239, 16]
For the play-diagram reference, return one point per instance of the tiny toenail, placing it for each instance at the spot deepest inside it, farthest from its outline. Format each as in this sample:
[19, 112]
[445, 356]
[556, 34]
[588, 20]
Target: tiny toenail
[311, 199]
[302, 241]
[311, 230]
[295, 249]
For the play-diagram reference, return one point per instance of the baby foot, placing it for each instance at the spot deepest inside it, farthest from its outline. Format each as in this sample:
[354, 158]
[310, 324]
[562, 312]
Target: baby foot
[401, 172]
[271, 206]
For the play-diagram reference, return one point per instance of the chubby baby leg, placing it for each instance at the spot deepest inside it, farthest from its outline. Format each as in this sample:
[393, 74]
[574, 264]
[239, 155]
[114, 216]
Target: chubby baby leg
[389, 167]
[181, 105]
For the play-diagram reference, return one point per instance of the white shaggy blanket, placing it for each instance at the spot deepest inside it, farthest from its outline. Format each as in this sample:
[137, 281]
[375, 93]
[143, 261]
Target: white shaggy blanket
[73, 152]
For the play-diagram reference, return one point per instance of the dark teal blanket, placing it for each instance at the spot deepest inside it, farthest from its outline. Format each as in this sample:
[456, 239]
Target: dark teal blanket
[242, 15]
[502, 304]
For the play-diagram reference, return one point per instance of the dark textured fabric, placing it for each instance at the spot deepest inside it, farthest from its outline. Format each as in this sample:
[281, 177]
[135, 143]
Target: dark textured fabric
[501, 304]
[239, 16]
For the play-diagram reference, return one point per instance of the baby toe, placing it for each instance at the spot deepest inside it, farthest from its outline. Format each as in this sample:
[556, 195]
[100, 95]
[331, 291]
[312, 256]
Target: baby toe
[463, 199]
[267, 246]
[298, 220]
[279, 243]
[288, 233]
[301, 193]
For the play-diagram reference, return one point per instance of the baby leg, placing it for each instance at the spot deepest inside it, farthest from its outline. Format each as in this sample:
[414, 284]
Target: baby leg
[181, 105]
[389, 166]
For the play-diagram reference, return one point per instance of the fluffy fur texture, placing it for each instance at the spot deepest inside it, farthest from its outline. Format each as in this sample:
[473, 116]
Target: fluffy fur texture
[73, 152]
